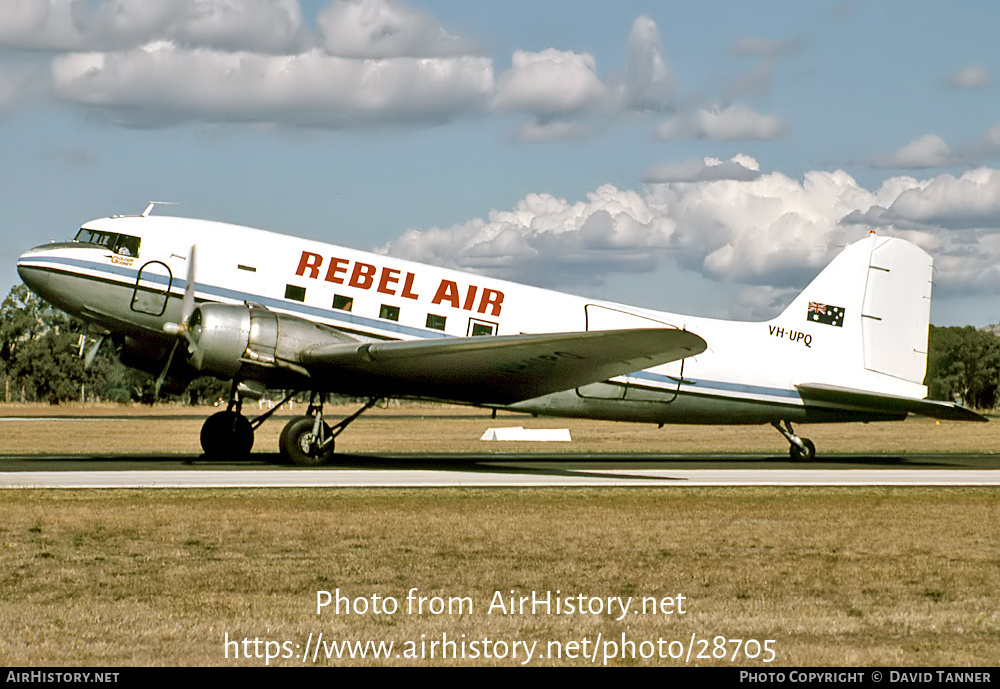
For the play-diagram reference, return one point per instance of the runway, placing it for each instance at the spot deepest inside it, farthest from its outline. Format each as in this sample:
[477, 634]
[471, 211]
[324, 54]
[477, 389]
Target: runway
[411, 479]
[507, 470]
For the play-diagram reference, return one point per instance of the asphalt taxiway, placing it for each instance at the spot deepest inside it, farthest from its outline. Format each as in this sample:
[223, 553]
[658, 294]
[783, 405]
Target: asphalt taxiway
[501, 469]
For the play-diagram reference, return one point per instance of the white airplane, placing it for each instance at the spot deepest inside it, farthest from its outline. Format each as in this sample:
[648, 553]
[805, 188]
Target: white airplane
[280, 312]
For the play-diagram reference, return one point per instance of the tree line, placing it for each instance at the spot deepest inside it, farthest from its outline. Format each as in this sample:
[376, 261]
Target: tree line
[40, 361]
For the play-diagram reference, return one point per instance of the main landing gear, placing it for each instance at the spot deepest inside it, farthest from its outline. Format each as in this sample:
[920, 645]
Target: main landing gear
[229, 434]
[308, 440]
[800, 449]
[305, 440]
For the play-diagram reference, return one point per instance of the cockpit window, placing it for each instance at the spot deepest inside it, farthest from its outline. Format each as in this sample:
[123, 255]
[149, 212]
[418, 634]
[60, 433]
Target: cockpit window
[123, 244]
[86, 236]
[127, 245]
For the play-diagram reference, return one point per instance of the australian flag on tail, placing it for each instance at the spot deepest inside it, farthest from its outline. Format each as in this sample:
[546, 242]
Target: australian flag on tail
[824, 313]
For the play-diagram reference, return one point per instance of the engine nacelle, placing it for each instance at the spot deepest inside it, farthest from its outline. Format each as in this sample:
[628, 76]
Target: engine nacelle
[226, 338]
[221, 335]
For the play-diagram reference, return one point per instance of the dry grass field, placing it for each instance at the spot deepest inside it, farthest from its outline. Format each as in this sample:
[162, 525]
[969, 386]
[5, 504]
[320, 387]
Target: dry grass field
[834, 576]
[435, 428]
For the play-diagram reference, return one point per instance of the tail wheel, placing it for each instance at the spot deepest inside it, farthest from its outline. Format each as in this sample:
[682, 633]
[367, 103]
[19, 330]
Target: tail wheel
[806, 453]
[300, 446]
[227, 434]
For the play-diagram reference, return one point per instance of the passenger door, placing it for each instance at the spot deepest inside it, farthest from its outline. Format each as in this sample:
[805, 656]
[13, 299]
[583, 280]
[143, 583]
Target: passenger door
[152, 288]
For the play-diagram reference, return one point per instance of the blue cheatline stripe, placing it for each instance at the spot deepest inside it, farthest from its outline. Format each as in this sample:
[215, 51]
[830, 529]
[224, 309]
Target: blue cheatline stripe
[716, 385]
[335, 316]
[346, 319]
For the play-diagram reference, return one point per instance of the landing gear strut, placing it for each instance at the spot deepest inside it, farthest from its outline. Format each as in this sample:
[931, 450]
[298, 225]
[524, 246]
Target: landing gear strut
[305, 440]
[309, 440]
[228, 434]
[800, 449]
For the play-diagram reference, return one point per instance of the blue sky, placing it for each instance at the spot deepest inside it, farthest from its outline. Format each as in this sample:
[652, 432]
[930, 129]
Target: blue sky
[704, 158]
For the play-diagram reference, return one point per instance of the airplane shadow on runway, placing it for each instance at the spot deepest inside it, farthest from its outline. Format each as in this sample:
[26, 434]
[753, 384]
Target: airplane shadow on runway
[592, 465]
[618, 466]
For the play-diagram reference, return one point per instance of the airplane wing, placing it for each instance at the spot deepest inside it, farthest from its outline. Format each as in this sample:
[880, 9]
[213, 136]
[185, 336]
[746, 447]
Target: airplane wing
[497, 370]
[861, 399]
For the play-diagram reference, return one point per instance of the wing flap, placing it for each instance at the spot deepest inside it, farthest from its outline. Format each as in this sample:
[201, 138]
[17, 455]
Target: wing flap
[498, 370]
[862, 399]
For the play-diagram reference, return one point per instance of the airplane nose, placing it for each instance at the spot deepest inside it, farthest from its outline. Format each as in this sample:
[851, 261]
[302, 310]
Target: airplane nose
[36, 280]
[31, 273]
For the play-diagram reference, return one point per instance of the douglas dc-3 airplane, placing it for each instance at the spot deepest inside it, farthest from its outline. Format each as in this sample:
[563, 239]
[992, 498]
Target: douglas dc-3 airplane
[275, 311]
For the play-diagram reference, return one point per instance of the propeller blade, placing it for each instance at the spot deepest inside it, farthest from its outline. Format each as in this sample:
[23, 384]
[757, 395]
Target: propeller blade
[187, 306]
[163, 374]
[180, 330]
[92, 353]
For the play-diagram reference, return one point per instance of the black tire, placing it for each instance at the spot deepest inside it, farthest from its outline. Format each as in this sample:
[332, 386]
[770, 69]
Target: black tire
[296, 440]
[807, 454]
[228, 435]
[284, 441]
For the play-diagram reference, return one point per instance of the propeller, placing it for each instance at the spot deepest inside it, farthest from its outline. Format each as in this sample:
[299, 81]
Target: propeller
[181, 330]
[92, 352]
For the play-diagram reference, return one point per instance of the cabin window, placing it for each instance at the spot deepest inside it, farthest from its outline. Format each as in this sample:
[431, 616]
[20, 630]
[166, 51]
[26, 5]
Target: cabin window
[478, 327]
[343, 303]
[123, 244]
[389, 313]
[435, 322]
[295, 292]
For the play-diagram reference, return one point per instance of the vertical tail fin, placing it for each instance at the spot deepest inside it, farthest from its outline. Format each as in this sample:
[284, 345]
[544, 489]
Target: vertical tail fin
[869, 312]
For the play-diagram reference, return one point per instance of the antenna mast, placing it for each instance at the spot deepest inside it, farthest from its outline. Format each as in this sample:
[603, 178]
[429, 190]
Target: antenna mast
[153, 204]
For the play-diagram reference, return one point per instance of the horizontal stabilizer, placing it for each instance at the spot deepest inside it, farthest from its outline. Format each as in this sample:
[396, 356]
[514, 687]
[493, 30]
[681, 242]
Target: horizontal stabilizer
[873, 401]
[498, 370]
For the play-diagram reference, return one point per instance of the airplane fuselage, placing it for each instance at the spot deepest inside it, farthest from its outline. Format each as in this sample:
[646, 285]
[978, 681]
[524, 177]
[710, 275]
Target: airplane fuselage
[127, 275]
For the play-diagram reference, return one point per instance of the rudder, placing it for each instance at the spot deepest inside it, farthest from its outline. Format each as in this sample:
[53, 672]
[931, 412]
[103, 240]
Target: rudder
[895, 317]
[876, 296]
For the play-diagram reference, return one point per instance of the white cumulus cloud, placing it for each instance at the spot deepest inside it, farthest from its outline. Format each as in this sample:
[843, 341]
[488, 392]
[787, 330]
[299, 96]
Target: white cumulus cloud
[549, 238]
[927, 151]
[648, 82]
[383, 28]
[973, 77]
[732, 123]
[766, 230]
[161, 83]
[550, 83]
[20, 19]
[972, 200]
[362, 63]
[67, 26]
[740, 168]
